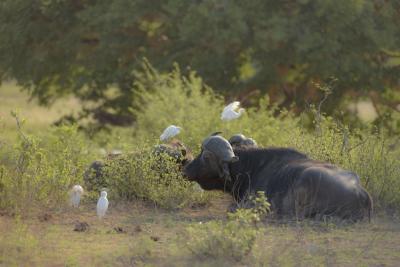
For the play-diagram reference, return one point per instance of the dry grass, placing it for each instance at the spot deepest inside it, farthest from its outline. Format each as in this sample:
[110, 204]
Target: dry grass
[311, 244]
[38, 117]
[135, 234]
[130, 233]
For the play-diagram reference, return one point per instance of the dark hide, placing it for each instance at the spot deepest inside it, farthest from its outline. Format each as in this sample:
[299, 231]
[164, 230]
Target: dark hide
[294, 184]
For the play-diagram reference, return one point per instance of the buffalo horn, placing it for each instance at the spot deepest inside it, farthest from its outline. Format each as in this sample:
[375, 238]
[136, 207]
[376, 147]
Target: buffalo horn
[221, 148]
[237, 139]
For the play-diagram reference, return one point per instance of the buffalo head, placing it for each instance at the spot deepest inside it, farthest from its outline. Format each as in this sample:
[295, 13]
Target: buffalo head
[211, 168]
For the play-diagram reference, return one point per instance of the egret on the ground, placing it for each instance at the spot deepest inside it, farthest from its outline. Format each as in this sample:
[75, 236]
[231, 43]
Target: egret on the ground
[102, 205]
[232, 111]
[170, 132]
[76, 194]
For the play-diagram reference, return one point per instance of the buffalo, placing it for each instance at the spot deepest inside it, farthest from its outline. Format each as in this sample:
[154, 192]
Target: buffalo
[295, 185]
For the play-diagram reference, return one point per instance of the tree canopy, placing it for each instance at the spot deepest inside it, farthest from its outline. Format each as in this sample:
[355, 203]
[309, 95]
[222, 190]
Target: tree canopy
[93, 48]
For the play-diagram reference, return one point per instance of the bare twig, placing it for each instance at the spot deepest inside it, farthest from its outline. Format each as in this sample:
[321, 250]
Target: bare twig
[19, 127]
[327, 90]
[359, 144]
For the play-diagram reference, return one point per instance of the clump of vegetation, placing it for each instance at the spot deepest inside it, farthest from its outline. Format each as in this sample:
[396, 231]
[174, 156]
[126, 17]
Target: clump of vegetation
[165, 99]
[40, 171]
[231, 239]
[147, 176]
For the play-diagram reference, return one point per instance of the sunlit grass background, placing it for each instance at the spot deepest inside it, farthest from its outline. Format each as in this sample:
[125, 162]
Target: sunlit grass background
[38, 118]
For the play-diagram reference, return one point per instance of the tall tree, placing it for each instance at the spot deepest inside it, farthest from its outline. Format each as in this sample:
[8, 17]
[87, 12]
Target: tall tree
[92, 48]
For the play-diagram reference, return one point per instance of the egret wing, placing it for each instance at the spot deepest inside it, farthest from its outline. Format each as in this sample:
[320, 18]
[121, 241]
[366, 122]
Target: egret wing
[170, 132]
[232, 106]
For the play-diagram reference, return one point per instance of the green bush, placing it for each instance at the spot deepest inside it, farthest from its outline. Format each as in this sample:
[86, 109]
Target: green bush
[157, 178]
[41, 171]
[166, 99]
[231, 239]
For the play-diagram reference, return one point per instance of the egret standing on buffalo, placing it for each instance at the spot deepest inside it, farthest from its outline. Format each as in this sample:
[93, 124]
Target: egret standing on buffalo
[232, 111]
[102, 205]
[76, 194]
[170, 132]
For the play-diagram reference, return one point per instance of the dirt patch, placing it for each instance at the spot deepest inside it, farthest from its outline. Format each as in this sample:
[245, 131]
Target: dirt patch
[81, 227]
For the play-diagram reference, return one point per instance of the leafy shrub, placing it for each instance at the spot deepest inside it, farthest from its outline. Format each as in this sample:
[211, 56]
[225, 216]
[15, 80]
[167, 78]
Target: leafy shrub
[166, 99]
[41, 171]
[233, 239]
[147, 176]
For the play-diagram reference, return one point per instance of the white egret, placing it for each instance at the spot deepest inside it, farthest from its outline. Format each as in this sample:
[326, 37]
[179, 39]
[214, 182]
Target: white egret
[232, 111]
[76, 194]
[170, 132]
[102, 205]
